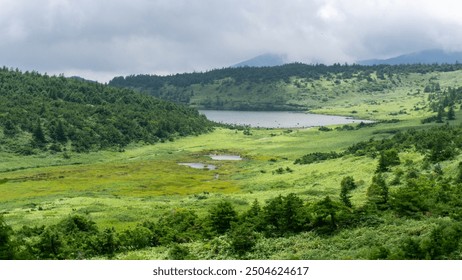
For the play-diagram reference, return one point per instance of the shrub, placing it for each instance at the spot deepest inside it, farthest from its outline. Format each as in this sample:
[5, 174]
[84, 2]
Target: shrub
[178, 226]
[243, 237]
[137, 238]
[6, 248]
[283, 215]
[221, 216]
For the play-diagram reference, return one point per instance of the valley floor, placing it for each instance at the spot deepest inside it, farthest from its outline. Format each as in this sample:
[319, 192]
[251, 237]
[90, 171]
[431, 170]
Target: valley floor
[120, 190]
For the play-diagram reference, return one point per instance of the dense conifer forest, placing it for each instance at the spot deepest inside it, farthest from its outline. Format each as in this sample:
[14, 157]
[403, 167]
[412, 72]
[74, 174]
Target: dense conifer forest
[41, 112]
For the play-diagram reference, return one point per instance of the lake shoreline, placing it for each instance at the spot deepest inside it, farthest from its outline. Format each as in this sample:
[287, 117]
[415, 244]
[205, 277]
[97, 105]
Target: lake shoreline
[278, 119]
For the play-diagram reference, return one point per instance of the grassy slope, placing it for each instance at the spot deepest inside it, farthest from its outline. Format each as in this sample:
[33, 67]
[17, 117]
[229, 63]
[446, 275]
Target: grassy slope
[122, 189]
[332, 94]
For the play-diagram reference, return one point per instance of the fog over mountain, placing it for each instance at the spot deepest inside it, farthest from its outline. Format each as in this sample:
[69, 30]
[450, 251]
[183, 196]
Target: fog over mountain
[424, 57]
[263, 60]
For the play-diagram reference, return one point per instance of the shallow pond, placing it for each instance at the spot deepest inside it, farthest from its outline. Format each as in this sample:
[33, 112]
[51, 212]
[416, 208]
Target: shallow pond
[225, 157]
[198, 165]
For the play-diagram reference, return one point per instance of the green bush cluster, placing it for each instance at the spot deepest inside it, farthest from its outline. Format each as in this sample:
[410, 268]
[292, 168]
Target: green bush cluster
[437, 144]
[77, 236]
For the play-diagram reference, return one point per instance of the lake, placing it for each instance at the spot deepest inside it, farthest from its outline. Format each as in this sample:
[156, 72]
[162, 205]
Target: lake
[276, 119]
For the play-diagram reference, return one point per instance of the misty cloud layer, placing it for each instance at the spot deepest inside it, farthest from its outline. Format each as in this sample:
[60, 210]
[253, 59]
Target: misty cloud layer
[104, 38]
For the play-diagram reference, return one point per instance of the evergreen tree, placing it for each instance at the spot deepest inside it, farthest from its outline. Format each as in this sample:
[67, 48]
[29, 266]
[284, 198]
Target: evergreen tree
[325, 215]
[377, 193]
[60, 134]
[243, 237]
[283, 215]
[440, 114]
[221, 217]
[414, 199]
[387, 159]
[458, 178]
[254, 215]
[6, 250]
[38, 136]
[451, 113]
[178, 226]
[347, 185]
[441, 146]
[9, 129]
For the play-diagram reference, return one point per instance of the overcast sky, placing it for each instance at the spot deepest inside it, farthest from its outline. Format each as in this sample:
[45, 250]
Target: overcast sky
[100, 39]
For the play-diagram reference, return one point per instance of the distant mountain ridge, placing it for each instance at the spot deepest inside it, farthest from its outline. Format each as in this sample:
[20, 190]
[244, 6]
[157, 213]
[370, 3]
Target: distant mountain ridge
[424, 57]
[264, 60]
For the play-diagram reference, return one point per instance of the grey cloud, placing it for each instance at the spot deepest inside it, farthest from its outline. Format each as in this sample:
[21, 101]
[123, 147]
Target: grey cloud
[104, 38]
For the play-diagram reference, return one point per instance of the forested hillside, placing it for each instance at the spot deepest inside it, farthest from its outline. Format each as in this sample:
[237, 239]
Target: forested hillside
[41, 112]
[289, 87]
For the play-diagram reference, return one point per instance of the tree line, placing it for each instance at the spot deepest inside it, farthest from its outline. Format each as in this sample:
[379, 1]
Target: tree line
[275, 73]
[264, 88]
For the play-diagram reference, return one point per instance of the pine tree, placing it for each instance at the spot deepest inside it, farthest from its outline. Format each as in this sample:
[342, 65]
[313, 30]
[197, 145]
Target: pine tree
[377, 192]
[60, 134]
[9, 128]
[38, 136]
[387, 158]
[440, 115]
[458, 178]
[221, 216]
[451, 113]
[347, 185]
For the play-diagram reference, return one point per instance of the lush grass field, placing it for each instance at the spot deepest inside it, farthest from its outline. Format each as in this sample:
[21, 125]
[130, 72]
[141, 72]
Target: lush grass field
[122, 189]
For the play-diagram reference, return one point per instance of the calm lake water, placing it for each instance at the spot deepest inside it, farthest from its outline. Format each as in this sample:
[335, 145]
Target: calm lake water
[276, 119]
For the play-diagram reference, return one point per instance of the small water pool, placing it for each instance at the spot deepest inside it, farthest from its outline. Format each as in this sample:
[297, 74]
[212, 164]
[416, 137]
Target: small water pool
[198, 165]
[225, 157]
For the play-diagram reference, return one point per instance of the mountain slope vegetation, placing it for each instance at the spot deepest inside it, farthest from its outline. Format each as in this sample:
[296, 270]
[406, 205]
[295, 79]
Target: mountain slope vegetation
[39, 112]
[293, 86]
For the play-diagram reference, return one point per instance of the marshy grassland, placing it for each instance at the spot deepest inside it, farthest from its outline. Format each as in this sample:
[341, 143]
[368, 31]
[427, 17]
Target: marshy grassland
[121, 189]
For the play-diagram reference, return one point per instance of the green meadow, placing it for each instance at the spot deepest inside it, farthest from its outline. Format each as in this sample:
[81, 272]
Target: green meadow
[121, 189]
